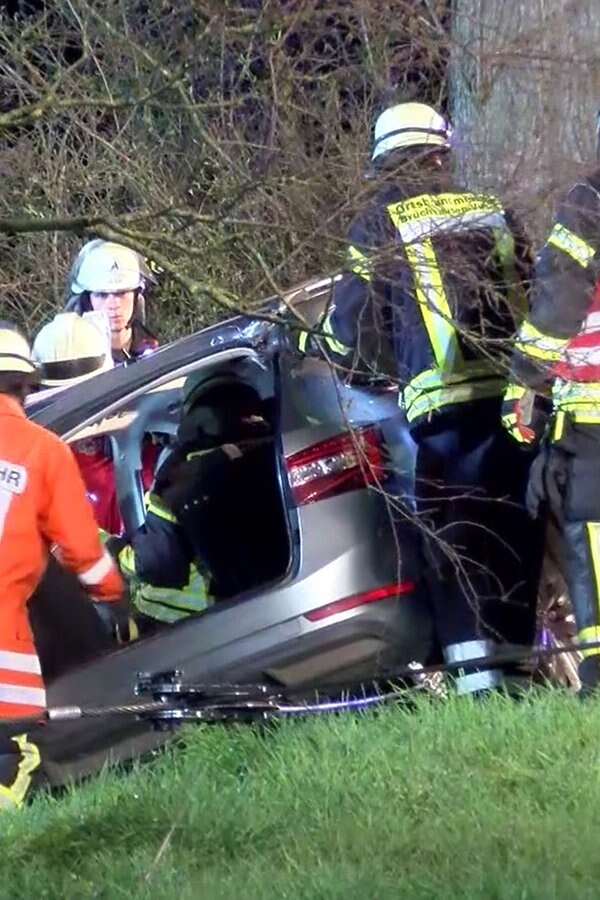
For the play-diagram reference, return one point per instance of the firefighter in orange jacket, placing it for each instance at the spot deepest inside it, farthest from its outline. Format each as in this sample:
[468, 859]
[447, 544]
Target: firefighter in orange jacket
[43, 509]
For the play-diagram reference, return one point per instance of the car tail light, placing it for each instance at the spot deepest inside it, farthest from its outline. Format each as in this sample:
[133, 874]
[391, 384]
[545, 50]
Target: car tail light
[342, 463]
[338, 606]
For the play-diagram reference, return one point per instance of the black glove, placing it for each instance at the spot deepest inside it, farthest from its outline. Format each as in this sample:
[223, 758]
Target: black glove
[547, 480]
[115, 543]
[115, 616]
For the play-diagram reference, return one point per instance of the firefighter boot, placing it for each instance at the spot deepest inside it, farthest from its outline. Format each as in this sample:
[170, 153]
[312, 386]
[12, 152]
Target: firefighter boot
[589, 676]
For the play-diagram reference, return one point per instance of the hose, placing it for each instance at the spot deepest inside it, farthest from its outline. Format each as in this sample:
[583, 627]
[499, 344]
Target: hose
[219, 702]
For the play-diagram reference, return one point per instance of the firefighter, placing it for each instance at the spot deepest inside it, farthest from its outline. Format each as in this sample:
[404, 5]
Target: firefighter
[68, 350]
[190, 543]
[434, 286]
[108, 277]
[558, 353]
[43, 509]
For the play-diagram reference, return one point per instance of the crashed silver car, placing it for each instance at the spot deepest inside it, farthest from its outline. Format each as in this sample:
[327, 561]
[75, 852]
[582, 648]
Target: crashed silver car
[344, 603]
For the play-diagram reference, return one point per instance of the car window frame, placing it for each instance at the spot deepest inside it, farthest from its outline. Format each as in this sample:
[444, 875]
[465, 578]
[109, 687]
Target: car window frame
[130, 490]
[174, 374]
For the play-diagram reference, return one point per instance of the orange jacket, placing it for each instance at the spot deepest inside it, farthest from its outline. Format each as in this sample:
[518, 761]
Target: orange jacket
[43, 506]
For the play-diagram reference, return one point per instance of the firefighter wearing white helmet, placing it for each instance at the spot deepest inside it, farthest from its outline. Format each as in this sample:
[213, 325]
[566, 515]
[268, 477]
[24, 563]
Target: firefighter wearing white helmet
[409, 125]
[111, 278]
[431, 293]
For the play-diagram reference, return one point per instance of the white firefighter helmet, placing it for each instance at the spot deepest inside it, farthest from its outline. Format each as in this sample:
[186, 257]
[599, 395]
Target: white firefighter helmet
[70, 349]
[409, 125]
[106, 267]
[15, 352]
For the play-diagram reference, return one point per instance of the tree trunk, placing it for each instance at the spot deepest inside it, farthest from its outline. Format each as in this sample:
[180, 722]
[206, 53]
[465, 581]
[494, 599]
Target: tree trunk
[524, 89]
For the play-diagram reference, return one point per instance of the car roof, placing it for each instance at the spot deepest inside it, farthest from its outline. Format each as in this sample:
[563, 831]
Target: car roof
[64, 410]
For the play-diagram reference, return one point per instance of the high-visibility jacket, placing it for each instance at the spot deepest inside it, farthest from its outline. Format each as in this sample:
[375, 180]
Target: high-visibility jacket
[43, 508]
[559, 341]
[164, 583]
[433, 290]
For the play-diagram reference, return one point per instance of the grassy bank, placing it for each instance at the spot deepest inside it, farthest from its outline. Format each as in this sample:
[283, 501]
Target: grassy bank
[494, 800]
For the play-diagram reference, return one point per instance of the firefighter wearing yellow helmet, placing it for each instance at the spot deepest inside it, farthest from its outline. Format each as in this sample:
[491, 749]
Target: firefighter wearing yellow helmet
[70, 349]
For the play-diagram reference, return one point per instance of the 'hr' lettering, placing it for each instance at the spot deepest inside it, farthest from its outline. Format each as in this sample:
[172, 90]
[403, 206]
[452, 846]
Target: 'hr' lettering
[13, 477]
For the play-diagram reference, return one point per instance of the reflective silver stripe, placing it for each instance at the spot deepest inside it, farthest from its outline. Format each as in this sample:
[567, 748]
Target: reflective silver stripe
[96, 573]
[27, 696]
[591, 322]
[20, 662]
[478, 681]
[467, 651]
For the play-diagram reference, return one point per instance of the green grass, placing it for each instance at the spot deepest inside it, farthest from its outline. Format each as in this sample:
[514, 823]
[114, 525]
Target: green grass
[455, 800]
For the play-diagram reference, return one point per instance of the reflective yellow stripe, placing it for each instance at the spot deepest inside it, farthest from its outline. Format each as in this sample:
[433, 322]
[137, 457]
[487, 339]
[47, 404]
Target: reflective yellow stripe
[133, 633]
[590, 635]
[592, 418]
[511, 425]
[303, 340]
[330, 339]
[7, 798]
[558, 428]
[433, 304]
[196, 454]
[448, 206]
[430, 214]
[581, 398]
[517, 294]
[126, 559]
[571, 244]
[170, 605]
[156, 507]
[593, 533]
[433, 379]
[433, 400]
[360, 263]
[30, 760]
[514, 392]
[533, 342]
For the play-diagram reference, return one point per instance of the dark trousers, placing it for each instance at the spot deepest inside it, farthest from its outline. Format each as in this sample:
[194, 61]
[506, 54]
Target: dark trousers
[483, 551]
[66, 628]
[574, 467]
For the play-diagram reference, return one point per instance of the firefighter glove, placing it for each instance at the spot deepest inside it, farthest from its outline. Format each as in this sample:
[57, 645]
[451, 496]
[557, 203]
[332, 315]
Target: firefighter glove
[114, 543]
[547, 481]
[524, 414]
[114, 615]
